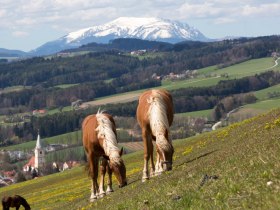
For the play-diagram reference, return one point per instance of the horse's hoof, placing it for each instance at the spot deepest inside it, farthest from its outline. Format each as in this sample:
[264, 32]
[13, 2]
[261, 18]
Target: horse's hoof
[93, 199]
[145, 179]
[102, 195]
[158, 173]
[109, 191]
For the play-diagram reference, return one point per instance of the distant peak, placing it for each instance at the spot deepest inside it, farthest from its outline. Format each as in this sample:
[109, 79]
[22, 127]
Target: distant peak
[146, 28]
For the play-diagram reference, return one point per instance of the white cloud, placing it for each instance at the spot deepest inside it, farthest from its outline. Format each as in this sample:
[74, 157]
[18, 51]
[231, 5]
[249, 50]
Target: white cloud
[2, 13]
[262, 10]
[204, 10]
[26, 21]
[224, 20]
[20, 34]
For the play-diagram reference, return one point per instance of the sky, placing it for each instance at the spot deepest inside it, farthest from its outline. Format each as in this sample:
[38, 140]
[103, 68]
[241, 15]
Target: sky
[28, 24]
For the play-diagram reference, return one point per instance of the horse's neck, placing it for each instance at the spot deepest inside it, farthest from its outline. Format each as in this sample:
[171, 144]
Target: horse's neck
[24, 203]
[110, 148]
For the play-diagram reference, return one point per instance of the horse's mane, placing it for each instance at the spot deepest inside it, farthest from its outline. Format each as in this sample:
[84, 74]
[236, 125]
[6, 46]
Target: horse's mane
[105, 130]
[158, 118]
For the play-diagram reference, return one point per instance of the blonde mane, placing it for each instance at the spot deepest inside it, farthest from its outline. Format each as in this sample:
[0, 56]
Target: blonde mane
[158, 119]
[105, 130]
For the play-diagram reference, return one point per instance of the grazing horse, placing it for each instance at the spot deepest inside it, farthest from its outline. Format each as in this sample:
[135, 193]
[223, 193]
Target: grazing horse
[100, 140]
[155, 116]
[14, 202]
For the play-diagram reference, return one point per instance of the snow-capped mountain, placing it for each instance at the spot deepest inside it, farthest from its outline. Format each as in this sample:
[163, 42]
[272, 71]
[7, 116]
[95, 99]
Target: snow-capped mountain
[155, 29]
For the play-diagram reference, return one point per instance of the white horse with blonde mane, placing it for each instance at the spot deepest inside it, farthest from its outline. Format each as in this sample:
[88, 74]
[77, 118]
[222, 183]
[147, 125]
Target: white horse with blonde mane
[100, 140]
[155, 116]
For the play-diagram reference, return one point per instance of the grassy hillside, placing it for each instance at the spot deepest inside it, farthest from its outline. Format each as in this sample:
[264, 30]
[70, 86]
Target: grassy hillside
[251, 67]
[244, 157]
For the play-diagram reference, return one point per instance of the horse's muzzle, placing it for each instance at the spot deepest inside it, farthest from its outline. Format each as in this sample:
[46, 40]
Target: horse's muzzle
[123, 184]
[167, 166]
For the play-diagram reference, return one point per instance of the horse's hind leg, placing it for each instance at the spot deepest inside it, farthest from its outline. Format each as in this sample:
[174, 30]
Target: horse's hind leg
[109, 183]
[145, 136]
[151, 151]
[94, 187]
[102, 176]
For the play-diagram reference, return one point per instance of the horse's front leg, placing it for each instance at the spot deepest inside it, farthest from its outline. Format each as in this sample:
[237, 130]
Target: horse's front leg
[94, 187]
[159, 168]
[109, 183]
[146, 144]
[102, 176]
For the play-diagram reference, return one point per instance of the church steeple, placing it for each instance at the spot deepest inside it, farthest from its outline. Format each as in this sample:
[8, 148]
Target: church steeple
[38, 143]
[39, 153]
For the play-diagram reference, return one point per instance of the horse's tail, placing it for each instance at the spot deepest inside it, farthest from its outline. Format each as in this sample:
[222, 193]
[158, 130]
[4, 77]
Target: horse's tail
[87, 169]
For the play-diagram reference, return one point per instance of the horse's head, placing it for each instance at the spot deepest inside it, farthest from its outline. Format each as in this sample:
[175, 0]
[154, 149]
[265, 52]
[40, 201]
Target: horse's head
[27, 206]
[165, 152]
[118, 168]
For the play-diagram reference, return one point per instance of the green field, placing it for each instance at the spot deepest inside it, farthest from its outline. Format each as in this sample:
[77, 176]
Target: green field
[14, 88]
[247, 68]
[265, 105]
[68, 138]
[263, 94]
[65, 86]
[240, 70]
[204, 113]
[243, 158]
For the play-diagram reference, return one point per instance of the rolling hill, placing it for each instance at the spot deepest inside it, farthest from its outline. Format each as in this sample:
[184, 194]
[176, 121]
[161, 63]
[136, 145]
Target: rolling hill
[236, 167]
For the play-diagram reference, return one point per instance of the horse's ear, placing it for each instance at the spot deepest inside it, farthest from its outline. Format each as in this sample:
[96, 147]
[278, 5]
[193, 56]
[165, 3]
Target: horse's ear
[106, 157]
[121, 151]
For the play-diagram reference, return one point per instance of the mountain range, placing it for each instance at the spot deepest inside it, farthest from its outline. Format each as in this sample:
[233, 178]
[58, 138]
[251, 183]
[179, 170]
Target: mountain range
[11, 53]
[155, 29]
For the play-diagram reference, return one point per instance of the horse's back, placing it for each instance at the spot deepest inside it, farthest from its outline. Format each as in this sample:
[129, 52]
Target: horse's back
[14, 201]
[89, 126]
[143, 104]
[88, 129]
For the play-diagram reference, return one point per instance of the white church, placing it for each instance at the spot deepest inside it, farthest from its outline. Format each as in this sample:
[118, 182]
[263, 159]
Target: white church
[37, 162]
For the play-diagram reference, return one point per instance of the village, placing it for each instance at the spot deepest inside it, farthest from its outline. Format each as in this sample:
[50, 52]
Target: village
[35, 163]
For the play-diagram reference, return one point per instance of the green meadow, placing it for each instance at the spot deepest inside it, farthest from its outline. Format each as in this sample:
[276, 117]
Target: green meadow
[236, 167]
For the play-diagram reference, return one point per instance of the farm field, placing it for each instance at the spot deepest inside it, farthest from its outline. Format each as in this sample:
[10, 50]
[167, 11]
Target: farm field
[240, 70]
[250, 67]
[243, 158]
[263, 94]
[13, 89]
[265, 105]
[247, 68]
[202, 113]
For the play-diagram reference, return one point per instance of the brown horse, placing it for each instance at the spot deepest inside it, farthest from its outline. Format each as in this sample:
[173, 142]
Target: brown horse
[15, 202]
[155, 116]
[100, 140]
